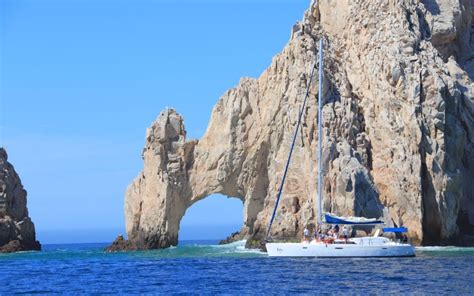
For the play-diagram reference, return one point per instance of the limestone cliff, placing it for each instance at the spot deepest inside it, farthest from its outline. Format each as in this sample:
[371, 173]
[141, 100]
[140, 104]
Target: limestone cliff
[17, 231]
[398, 130]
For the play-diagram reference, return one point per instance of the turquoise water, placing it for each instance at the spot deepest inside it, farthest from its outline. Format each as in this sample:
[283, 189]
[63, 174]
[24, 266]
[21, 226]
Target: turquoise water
[205, 268]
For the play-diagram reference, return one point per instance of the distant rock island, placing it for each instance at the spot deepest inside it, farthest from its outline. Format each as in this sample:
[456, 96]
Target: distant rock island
[398, 131]
[17, 231]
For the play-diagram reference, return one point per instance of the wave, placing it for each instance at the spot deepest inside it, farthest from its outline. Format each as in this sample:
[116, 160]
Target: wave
[445, 249]
[202, 249]
[238, 247]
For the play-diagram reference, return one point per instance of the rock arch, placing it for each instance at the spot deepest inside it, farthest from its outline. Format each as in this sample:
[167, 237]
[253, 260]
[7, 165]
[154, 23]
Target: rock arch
[399, 115]
[174, 180]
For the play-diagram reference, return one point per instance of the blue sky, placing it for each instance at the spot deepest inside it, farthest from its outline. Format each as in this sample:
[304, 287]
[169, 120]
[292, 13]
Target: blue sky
[81, 80]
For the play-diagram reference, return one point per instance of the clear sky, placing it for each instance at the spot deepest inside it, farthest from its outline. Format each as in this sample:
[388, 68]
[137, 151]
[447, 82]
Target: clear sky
[81, 80]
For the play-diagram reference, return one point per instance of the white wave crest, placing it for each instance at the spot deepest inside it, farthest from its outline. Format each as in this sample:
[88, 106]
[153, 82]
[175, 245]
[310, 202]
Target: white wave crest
[444, 249]
[238, 247]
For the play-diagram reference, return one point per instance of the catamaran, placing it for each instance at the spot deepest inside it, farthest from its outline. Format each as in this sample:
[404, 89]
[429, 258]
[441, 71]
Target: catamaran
[367, 246]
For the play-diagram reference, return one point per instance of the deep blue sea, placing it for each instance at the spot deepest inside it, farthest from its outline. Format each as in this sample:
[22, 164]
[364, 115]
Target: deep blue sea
[201, 267]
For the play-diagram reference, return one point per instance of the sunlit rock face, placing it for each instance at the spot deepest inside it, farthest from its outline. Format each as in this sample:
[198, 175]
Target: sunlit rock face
[398, 132]
[17, 231]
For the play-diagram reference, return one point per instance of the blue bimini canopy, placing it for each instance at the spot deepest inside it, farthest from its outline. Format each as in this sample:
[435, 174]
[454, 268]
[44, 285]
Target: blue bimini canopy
[395, 229]
[333, 219]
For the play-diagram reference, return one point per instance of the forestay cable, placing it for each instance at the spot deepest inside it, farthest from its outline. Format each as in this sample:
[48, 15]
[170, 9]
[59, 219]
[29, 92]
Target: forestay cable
[291, 149]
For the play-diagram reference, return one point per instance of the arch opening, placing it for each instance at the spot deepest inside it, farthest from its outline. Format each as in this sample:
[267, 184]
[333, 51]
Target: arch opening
[211, 219]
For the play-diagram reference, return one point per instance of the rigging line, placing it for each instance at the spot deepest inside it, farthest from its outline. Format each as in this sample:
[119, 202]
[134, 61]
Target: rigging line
[378, 202]
[320, 131]
[291, 150]
[363, 208]
[360, 206]
[380, 209]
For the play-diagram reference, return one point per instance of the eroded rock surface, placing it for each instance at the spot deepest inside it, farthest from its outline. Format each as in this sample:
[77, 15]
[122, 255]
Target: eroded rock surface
[17, 231]
[398, 130]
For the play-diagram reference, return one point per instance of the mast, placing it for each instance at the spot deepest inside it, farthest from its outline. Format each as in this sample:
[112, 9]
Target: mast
[320, 133]
[300, 116]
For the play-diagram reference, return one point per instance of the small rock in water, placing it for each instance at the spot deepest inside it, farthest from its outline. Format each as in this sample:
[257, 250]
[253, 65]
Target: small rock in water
[236, 236]
[121, 244]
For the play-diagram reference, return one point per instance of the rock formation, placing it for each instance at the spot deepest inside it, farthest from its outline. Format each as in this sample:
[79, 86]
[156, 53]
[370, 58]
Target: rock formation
[398, 130]
[17, 231]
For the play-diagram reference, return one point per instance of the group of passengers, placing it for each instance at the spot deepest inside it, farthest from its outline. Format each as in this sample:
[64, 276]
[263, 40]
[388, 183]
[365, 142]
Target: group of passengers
[333, 234]
[327, 235]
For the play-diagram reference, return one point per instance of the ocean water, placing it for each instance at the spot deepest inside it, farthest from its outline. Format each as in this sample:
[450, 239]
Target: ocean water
[202, 267]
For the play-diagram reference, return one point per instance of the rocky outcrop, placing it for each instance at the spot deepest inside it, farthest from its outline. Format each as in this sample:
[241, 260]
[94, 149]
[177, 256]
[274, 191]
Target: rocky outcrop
[17, 231]
[120, 244]
[236, 236]
[398, 134]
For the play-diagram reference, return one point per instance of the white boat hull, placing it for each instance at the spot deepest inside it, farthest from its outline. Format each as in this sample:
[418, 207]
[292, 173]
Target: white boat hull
[365, 247]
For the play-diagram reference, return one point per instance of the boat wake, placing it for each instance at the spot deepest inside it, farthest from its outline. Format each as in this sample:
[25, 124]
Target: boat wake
[237, 247]
[444, 249]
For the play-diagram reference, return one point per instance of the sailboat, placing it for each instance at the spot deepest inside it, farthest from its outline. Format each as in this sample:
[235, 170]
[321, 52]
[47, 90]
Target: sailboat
[367, 246]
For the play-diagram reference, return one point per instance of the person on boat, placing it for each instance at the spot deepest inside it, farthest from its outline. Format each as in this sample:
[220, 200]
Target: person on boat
[345, 233]
[335, 231]
[404, 238]
[319, 234]
[328, 237]
[306, 234]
